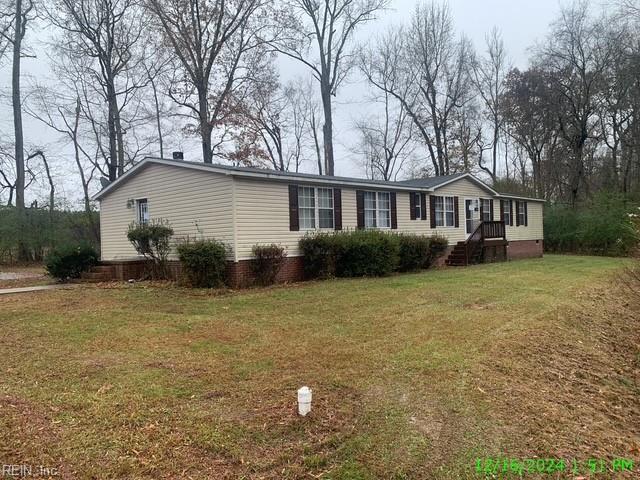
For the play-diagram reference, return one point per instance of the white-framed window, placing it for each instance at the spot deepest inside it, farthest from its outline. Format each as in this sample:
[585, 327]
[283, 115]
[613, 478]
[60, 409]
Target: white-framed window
[142, 211]
[445, 212]
[506, 212]
[315, 208]
[377, 210]
[418, 203]
[522, 213]
[486, 209]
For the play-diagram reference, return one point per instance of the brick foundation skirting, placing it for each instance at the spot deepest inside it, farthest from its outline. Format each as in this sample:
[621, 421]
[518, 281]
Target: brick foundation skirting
[518, 249]
[238, 273]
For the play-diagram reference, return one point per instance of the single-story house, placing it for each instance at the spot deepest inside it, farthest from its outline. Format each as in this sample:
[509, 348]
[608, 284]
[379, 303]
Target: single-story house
[243, 207]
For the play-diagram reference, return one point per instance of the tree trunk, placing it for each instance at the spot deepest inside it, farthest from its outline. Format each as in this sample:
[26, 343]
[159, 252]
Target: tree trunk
[20, 26]
[205, 127]
[17, 109]
[314, 130]
[113, 149]
[120, 141]
[158, 124]
[327, 130]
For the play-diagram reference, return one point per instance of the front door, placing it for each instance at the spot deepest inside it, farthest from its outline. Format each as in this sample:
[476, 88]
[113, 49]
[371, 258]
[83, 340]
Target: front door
[472, 214]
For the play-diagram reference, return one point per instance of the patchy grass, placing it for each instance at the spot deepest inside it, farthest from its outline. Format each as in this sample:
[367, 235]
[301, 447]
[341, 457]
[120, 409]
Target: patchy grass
[413, 376]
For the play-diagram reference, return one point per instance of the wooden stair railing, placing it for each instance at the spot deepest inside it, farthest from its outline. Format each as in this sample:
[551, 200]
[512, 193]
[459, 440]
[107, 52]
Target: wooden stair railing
[470, 251]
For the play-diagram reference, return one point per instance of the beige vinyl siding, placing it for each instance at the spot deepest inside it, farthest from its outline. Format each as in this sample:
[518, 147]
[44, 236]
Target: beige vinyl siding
[533, 230]
[463, 189]
[262, 214]
[194, 202]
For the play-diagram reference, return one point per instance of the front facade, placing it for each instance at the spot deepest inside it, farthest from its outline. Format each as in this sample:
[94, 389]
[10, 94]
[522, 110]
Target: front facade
[244, 207]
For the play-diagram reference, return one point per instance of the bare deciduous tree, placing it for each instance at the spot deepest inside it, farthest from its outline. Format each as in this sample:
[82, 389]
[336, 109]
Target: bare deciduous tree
[489, 74]
[109, 33]
[426, 68]
[329, 26]
[216, 43]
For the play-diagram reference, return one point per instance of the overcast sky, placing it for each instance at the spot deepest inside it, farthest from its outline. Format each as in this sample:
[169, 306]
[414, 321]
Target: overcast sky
[522, 23]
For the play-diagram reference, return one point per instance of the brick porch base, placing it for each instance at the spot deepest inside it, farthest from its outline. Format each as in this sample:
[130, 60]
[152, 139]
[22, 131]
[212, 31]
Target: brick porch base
[518, 249]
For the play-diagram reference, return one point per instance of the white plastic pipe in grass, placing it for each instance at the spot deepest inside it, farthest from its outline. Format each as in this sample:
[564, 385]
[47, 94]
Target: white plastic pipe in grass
[304, 401]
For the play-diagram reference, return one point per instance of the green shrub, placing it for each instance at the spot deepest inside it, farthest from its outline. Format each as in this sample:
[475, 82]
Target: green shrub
[437, 245]
[414, 253]
[319, 255]
[69, 262]
[356, 253]
[203, 262]
[152, 240]
[267, 262]
[601, 227]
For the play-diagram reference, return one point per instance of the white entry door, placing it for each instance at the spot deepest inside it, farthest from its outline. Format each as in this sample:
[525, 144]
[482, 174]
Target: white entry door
[471, 214]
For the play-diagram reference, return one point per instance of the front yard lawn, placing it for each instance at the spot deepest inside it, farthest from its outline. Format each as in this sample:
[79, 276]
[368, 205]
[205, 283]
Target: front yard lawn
[413, 376]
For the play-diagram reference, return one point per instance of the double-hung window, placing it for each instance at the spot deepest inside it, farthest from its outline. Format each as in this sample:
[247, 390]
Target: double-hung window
[445, 211]
[506, 212]
[377, 210]
[418, 203]
[522, 213]
[142, 211]
[486, 209]
[315, 207]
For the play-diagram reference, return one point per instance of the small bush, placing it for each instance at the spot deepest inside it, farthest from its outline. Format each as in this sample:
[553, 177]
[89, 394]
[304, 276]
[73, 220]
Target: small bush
[267, 262]
[319, 255]
[152, 240]
[437, 245]
[69, 262]
[414, 253]
[203, 262]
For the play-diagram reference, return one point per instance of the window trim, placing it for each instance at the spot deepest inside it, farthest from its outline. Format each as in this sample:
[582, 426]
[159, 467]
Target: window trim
[486, 202]
[506, 212]
[445, 211]
[522, 217]
[418, 213]
[139, 219]
[377, 210]
[317, 208]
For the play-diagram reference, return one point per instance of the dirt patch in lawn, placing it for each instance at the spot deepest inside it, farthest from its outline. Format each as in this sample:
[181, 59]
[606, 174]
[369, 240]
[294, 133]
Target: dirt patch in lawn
[570, 386]
[15, 277]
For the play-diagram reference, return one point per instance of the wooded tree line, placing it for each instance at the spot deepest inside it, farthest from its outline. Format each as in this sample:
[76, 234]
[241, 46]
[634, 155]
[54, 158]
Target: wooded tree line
[132, 77]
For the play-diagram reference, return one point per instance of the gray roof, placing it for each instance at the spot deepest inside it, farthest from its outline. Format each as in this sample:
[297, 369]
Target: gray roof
[424, 184]
[430, 182]
[277, 173]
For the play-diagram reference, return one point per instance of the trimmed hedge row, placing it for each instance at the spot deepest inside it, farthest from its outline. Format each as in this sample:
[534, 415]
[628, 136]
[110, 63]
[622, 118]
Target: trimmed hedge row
[367, 253]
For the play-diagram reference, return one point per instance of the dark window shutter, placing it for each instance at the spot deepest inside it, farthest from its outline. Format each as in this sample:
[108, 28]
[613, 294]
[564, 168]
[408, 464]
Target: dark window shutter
[423, 205]
[502, 210]
[517, 213]
[510, 212]
[526, 215]
[482, 209]
[432, 210]
[412, 206]
[294, 221]
[360, 208]
[491, 209]
[394, 211]
[337, 208]
[456, 212]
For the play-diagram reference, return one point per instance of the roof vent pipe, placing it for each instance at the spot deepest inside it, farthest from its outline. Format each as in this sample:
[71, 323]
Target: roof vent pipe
[178, 155]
